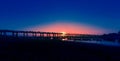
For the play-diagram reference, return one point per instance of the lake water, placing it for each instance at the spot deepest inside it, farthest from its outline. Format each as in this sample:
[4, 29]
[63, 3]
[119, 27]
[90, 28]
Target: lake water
[107, 43]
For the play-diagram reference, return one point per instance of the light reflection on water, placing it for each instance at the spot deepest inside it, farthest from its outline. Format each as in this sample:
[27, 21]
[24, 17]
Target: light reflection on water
[107, 43]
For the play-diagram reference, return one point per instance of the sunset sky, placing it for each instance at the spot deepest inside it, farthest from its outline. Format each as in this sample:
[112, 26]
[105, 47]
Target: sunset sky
[74, 16]
[68, 28]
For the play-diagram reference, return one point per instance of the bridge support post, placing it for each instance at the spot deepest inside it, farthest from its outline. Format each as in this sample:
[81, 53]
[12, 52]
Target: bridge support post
[35, 35]
[13, 34]
[32, 34]
[40, 35]
[4, 33]
[53, 35]
[47, 34]
[24, 34]
[16, 34]
[0, 33]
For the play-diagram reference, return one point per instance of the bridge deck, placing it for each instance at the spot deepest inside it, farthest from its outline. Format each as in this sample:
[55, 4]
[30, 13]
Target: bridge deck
[46, 35]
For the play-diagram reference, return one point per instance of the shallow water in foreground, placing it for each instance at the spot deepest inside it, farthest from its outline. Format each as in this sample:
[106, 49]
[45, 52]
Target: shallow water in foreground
[35, 50]
[107, 43]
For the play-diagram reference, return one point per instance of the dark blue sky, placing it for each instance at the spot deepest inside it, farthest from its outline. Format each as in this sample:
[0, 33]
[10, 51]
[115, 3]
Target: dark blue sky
[19, 14]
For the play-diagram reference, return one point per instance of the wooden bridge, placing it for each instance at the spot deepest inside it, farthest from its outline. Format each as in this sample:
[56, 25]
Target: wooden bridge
[8, 34]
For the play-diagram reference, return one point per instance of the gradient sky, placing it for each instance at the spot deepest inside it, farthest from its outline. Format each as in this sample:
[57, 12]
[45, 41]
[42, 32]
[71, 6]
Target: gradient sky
[23, 14]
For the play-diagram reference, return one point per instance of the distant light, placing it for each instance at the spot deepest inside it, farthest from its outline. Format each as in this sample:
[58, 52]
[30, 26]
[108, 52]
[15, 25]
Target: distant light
[64, 39]
[63, 33]
[51, 38]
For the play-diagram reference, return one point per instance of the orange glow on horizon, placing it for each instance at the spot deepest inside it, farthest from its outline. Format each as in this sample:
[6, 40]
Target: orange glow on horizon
[63, 33]
[68, 28]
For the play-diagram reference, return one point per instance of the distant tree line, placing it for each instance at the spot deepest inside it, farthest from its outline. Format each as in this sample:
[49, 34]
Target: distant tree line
[111, 36]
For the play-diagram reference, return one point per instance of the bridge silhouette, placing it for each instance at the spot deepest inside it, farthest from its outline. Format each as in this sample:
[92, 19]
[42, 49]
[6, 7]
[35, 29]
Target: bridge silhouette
[37, 35]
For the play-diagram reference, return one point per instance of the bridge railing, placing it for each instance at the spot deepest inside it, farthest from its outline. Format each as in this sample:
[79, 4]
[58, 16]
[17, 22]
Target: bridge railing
[30, 34]
[47, 35]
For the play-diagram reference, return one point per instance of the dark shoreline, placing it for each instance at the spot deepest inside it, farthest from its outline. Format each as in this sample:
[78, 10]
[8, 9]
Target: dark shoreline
[55, 50]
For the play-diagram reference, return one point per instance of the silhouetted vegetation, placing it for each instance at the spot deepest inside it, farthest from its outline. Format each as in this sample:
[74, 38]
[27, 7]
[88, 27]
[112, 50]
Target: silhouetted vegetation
[111, 36]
